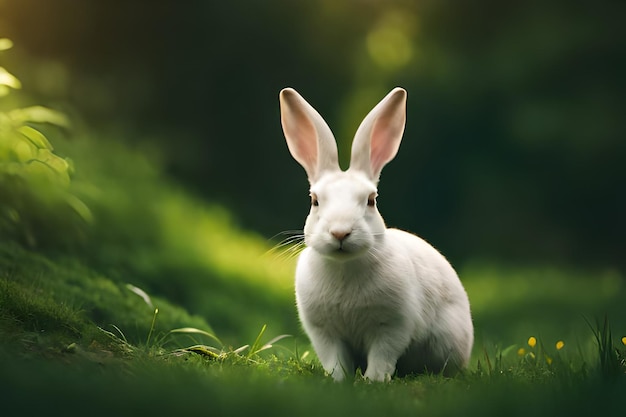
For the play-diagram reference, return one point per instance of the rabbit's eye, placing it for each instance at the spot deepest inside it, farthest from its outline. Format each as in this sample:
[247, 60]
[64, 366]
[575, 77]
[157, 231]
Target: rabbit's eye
[371, 200]
[314, 201]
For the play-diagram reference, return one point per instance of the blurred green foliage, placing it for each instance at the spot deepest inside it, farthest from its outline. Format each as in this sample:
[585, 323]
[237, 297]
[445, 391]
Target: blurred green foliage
[514, 142]
[146, 231]
[149, 232]
[118, 213]
[37, 205]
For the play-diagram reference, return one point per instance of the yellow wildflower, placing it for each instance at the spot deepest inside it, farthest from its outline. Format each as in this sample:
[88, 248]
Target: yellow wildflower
[532, 341]
[624, 340]
[521, 351]
[559, 345]
[548, 360]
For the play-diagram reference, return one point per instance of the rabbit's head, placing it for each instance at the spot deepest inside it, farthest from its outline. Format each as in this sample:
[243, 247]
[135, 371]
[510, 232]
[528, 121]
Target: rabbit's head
[344, 221]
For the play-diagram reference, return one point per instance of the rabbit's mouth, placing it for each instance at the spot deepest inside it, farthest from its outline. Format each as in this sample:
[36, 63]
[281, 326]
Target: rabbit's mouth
[341, 251]
[341, 254]
[346, 250]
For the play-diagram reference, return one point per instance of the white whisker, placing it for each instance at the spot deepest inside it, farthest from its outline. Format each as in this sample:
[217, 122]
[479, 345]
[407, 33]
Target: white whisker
[289, 247]
[285, 232]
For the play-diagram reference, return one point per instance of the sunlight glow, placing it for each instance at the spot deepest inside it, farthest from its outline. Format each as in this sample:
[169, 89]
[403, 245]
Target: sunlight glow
[389, 47]
[389, 44]
[5, 43]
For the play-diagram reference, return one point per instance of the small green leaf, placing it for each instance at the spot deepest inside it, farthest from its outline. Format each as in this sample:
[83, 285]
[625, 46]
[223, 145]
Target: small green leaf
[9, 80]
[39, 114]
[56, 163]
[79, 207]
[23, 151]
[35, 136]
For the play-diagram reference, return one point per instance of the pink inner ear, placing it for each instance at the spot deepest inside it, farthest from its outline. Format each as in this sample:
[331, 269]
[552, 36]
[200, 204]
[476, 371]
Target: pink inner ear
[385, 139]
[300, 132]
[304, 141]
[378, 153]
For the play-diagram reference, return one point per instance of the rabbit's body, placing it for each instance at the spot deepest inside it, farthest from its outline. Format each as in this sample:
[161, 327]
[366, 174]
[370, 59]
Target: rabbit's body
[380, 299]
[418, 316]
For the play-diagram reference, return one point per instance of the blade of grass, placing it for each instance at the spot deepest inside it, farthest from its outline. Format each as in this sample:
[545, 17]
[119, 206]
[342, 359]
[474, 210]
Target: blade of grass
[193, 330]
[156, 311]
[257, 343]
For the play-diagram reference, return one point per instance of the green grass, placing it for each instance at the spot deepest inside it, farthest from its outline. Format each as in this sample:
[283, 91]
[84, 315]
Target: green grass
[52, 348]
[80, 332]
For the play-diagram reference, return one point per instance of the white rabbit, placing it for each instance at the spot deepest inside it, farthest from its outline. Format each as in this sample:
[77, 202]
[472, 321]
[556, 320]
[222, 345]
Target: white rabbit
[380, 299]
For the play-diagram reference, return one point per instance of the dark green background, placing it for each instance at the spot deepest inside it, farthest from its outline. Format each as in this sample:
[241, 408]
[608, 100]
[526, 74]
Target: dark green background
[515, 141]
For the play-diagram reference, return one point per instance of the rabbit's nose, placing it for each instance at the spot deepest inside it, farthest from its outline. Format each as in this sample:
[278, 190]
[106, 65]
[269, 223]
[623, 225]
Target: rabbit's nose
[340, 235]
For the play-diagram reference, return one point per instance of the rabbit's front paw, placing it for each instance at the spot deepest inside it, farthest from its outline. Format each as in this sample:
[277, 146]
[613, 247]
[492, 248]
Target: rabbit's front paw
[379, 371]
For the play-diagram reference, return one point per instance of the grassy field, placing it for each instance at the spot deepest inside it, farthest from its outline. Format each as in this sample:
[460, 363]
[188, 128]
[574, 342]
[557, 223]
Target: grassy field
[80, 332]
[74, 341]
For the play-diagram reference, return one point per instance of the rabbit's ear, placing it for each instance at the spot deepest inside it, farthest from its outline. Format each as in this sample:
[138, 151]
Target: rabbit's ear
[378, 137]
[309, 138]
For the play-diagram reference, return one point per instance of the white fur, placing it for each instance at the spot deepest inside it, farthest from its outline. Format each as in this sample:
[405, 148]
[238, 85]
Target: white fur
[367, 296]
